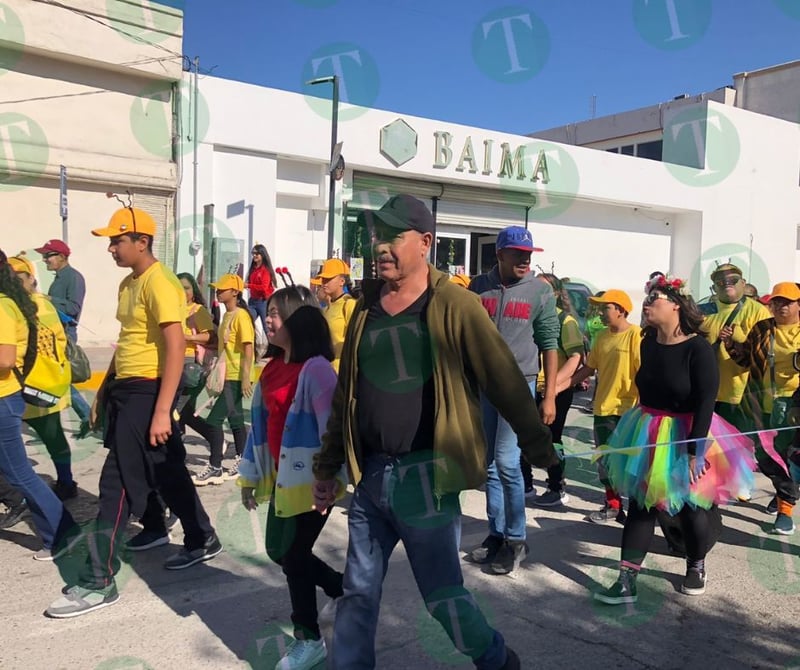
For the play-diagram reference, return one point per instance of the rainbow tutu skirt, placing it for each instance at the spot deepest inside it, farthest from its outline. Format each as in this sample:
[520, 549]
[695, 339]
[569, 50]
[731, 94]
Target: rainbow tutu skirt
[658, 476]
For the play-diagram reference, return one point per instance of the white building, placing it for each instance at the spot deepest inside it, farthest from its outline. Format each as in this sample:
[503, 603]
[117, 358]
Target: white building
[90, 85]
[603, 218]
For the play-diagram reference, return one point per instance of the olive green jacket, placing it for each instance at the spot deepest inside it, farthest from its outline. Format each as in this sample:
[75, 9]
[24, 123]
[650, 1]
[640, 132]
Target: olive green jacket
[469, 356]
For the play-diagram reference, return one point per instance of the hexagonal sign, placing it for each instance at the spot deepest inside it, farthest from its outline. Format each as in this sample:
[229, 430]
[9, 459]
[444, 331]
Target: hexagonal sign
[398, 142]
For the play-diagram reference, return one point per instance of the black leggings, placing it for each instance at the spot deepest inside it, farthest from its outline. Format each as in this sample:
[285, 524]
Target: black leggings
[49, 430]
[555, 473]
[640, 526]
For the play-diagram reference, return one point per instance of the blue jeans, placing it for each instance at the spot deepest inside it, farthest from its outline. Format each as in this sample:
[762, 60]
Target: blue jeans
[79, 404]
[258, 308]
[49, 515]
[505, 488]
[394, 502]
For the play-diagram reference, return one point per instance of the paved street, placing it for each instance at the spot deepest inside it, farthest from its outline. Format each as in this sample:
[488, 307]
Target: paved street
[234, 611]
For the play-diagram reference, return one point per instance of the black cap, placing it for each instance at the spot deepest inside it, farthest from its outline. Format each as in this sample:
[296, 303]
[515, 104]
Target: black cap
[405, 212]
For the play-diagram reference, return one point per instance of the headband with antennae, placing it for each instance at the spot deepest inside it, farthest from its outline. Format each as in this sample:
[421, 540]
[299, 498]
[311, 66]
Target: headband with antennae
[128, 206]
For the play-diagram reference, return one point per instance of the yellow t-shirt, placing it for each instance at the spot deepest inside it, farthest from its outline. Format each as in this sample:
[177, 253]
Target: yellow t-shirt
[198, 320]
[14, 331]
[48, 317]
[570, 342]
[616, 357]
[732, 378]
[235, 331]
[338, 314]
[146, 302]
[787, 344]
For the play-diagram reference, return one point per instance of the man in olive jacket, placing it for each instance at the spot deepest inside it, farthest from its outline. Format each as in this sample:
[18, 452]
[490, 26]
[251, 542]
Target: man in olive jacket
[406, 418]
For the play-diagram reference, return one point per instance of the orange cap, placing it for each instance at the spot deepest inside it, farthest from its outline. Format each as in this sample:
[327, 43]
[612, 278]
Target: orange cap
[21, 264]
[616, 297]
[784, 289]
[128, 220]
[229, 281]
[333, 267]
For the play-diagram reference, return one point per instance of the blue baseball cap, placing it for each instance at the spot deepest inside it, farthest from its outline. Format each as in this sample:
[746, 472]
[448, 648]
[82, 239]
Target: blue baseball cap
[516, 237]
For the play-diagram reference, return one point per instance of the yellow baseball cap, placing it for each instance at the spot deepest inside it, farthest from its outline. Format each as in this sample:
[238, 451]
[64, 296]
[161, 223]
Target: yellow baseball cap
[128, 220]
[316, 281]
[616, 297]
[333, 267]
[21, 264]
[229, 281]
[785, 289]
[461, 280]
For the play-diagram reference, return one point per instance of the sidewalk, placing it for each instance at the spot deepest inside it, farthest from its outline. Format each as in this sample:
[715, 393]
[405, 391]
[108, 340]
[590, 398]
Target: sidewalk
[233, 612]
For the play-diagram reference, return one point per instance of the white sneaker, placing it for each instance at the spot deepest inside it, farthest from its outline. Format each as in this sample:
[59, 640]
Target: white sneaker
[303, 655]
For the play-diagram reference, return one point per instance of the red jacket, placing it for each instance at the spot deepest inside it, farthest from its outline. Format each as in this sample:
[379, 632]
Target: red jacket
[260, 283]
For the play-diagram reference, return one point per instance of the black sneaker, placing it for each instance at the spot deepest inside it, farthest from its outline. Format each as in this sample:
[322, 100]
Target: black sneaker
[694, 583]
[511, 554]
[512, 660]
[83, 431]
[608, 514]
[186, 558]
[147, 539]
[14, 515]
[210, 475]
[530, 491]
[65, 491]
[772, 506]
[622, 591]
[487, 551]
[551, 498]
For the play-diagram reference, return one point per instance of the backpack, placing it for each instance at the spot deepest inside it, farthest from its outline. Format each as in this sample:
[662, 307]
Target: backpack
[79, 364]
[48, 378]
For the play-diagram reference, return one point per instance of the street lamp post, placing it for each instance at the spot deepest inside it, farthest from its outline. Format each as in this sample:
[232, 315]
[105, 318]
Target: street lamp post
[334, 131]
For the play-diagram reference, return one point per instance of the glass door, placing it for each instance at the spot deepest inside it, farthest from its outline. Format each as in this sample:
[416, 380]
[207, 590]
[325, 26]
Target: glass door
[452, 253]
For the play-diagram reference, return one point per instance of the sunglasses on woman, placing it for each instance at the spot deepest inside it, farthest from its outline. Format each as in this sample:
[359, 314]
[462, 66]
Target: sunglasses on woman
[653, 296]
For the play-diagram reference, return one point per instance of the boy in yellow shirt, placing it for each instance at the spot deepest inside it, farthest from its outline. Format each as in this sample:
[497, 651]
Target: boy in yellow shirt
[334, 277]
[138, 398]
[615, 356]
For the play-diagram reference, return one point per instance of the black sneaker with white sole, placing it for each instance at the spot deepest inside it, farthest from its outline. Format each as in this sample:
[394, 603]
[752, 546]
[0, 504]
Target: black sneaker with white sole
[694, 583]
[186, 558]
[147, 539]
[487, 551]
[508, 559]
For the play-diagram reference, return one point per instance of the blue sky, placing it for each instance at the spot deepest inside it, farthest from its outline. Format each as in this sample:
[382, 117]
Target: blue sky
[516, 67]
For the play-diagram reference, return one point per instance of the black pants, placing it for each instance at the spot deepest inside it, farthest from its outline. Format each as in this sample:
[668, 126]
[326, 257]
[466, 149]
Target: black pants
[132, 470]
[227, 406]
[9, 496]
[785, 487]
[640, 526]
[289, 542]
[555, 473]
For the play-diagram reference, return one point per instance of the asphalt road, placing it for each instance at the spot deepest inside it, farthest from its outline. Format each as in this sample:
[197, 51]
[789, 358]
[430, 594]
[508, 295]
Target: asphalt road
[233, 612]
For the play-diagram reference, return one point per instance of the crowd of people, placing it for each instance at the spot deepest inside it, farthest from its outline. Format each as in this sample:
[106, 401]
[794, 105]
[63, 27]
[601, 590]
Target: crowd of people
[412, 389]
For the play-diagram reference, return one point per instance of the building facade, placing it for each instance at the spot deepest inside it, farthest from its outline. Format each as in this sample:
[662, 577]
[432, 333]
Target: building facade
[93, 86]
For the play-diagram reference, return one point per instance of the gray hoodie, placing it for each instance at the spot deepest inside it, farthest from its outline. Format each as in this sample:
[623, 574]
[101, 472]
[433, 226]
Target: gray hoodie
[524, 313]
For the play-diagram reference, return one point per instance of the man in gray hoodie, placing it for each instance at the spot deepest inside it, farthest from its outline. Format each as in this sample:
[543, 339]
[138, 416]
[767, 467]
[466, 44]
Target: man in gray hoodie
[524, 311]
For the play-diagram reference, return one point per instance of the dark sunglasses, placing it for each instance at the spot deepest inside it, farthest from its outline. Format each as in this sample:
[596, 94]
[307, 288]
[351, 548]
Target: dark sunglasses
[727, 281]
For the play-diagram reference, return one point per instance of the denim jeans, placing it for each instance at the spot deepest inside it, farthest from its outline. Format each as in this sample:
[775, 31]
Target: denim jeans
[505, 489]
[394, 502]
[49, 515]
[258, 308]
[79, 404]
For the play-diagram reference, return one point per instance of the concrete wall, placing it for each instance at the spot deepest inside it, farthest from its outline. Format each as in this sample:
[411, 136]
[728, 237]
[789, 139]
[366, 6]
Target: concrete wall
[99, 100]
[774, 91]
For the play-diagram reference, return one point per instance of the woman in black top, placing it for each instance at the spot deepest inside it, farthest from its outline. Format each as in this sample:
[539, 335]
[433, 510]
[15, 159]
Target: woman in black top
[691, 470]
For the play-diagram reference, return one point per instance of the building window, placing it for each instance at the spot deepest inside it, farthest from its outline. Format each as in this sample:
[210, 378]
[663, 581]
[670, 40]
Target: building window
[613, 150]
[627, 150]
[651, 150]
